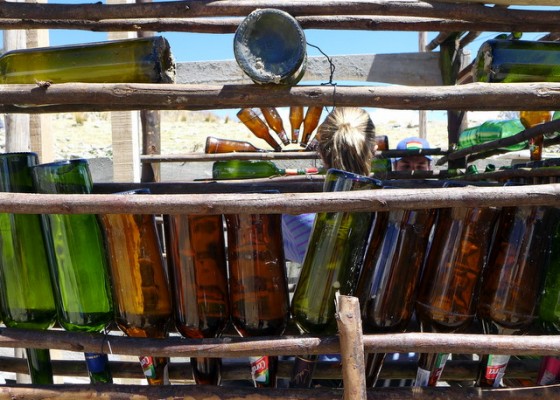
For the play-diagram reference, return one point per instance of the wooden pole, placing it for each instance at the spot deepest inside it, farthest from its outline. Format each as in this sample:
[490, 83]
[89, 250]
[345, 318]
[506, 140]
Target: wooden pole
[132, 96]
[349, 324]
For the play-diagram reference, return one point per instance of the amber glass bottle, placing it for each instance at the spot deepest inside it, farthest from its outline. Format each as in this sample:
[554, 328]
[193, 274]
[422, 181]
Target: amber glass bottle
[512, 279]
[446, 299]
[258, 283]
[140, 288]
[216, 145]
[530, 119]
[310, 122]
[259, 128]
[296, 119]
[274, 120]
[389, 280]
[197, 268]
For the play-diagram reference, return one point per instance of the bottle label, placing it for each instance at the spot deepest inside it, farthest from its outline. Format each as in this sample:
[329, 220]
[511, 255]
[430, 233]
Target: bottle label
[496, 367]
[148, 366]
[259, 370]
[438, 368]
[550, 369]
[96, 362]
[306, 171]
[422, 377]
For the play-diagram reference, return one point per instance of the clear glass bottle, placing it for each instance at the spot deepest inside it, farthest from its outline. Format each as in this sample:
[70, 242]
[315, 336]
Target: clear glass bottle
[142, 60]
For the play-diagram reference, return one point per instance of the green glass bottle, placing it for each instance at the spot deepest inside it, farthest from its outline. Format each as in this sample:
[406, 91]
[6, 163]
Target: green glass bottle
[77, 258]
[26, 295]
[142, 60]
[492, 130]
[334, 257]
[140, 287]
[248, 169]
[517, 61]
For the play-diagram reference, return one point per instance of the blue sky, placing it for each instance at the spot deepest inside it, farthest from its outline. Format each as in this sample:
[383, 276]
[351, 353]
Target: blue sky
[206, 47]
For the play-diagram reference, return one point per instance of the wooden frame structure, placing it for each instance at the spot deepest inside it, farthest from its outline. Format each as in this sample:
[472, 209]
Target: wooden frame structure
[222, 17]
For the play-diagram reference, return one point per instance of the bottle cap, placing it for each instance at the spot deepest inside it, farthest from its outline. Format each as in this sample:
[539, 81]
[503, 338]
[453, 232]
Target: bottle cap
[269, 46]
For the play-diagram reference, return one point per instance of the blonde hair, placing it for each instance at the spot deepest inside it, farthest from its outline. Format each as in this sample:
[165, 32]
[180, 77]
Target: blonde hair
[347, 140]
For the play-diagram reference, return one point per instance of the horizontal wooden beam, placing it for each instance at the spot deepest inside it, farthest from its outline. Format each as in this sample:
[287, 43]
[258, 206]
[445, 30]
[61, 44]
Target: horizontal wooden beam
[129, 96]
[298, 8]
[236, 347]
[205, 392]
[293, 203]
[339, 22]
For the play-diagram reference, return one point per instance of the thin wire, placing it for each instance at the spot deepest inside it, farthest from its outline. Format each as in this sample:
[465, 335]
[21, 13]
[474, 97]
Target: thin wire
[331, 73]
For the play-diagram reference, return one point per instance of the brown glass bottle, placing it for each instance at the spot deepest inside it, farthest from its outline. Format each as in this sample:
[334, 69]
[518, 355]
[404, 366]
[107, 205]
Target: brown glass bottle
[310, 122]
[215, 145]
[512, 279]
[274, 120]
[296, 119]
[258, 127]
[198, 272]
[446, 299]
[530, 119]
[388, 283]
[141, 291]
[258, 284]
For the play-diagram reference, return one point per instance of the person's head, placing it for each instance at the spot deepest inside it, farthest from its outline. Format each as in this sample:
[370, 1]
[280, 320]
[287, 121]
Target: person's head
[416, 162]
[347, 140]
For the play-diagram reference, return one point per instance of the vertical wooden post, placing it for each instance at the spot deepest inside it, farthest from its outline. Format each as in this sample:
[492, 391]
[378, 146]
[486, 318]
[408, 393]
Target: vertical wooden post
[124, 125]
[151, 132]
[351, 347]
[422, 121]
[17, 125]
[450, 64]
[40, 132]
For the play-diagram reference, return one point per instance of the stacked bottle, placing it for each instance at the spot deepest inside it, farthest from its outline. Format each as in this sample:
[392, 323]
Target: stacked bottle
[332, 263]
[446, 299]
[77, 258]
[140, 289]
[248, 169]
[258, 284]
[198, 272]
[26, 294]
[261, 129]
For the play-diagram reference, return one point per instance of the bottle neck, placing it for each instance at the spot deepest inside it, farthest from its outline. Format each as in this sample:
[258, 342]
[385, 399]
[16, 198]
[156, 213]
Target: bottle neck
[300, 171]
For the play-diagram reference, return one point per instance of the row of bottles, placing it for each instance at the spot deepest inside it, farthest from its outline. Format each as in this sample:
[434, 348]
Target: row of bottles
[302, 127]
[402, 261]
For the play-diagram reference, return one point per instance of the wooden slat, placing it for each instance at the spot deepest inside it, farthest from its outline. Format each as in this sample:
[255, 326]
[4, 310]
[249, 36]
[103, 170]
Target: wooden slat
[293, 203]
[504, 2]
[130, 96]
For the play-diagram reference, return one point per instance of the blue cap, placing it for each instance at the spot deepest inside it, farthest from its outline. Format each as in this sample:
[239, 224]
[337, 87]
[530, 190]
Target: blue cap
[413, 143]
